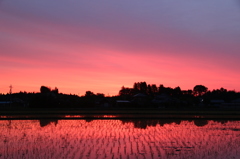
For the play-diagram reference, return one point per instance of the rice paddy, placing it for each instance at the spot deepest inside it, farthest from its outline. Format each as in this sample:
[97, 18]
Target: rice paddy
[100, 139]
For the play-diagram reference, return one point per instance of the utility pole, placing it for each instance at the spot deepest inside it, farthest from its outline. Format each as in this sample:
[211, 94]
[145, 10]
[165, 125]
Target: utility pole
[10, 93]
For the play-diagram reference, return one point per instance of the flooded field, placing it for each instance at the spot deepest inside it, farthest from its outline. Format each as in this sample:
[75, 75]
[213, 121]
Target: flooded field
[111, 138]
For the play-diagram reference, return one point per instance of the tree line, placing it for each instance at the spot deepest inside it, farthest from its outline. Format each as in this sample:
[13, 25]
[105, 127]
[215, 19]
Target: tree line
[140, 95]
[152, 89]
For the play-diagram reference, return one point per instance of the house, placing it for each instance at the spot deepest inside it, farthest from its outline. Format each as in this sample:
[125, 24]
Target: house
[16, 102]
[161, 100]
[234, 104]
[123, 103]
[4, 104]
[104, 103]
[216, 102]
[236, 101]
[140, 99]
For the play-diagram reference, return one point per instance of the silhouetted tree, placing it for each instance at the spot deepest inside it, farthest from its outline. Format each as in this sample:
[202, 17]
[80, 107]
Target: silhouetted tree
[223, 90]
[101, 95]
[136, 87]
[149, 89]
[125, 91]
[143, 87]
[161, 89]
[89, 94]
[45, 89]
[154, 88]
[55, 90]
[190, 92]
[165, 90]
[177, 92]
[140, 87]
[89, 100]
[199, 90]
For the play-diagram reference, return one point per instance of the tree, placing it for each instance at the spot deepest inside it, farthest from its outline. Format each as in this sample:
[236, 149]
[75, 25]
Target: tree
[125, 91]
[143, 87]
[161, 89]
[199, 90]
[177, 91]
[101, 95]
[154, 88]
[136, 87]
[55, 91]
[45, 89]
[89, 94]
[149, 89]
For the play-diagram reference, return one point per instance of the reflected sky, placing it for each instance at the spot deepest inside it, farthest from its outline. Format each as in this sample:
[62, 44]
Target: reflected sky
[116, 138]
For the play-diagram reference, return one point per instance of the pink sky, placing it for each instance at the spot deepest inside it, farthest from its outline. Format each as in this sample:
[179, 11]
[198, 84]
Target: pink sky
[81, 46]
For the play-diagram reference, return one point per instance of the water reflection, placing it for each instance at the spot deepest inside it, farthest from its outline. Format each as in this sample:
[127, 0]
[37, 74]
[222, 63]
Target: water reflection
[119, 139]
[45, 122]
[145, 123]
[142, 123]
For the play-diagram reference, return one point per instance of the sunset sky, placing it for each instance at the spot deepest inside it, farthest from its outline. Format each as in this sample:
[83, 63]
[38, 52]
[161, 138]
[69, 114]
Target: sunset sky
[100, 46]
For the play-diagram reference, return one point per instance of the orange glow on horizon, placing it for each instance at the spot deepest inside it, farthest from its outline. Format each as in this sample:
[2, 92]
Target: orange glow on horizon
[107, 74]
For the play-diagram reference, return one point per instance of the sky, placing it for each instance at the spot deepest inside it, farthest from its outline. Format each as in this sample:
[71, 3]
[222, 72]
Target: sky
[101, 46]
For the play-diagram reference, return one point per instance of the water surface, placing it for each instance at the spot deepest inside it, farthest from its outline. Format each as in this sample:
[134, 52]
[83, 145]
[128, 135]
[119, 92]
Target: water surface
[119, 139]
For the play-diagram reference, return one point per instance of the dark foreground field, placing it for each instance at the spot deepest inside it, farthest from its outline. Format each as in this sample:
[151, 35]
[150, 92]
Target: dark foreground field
[118, 114]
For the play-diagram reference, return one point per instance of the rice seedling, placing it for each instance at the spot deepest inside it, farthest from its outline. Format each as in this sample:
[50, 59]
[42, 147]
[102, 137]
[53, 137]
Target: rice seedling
[115, 139]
